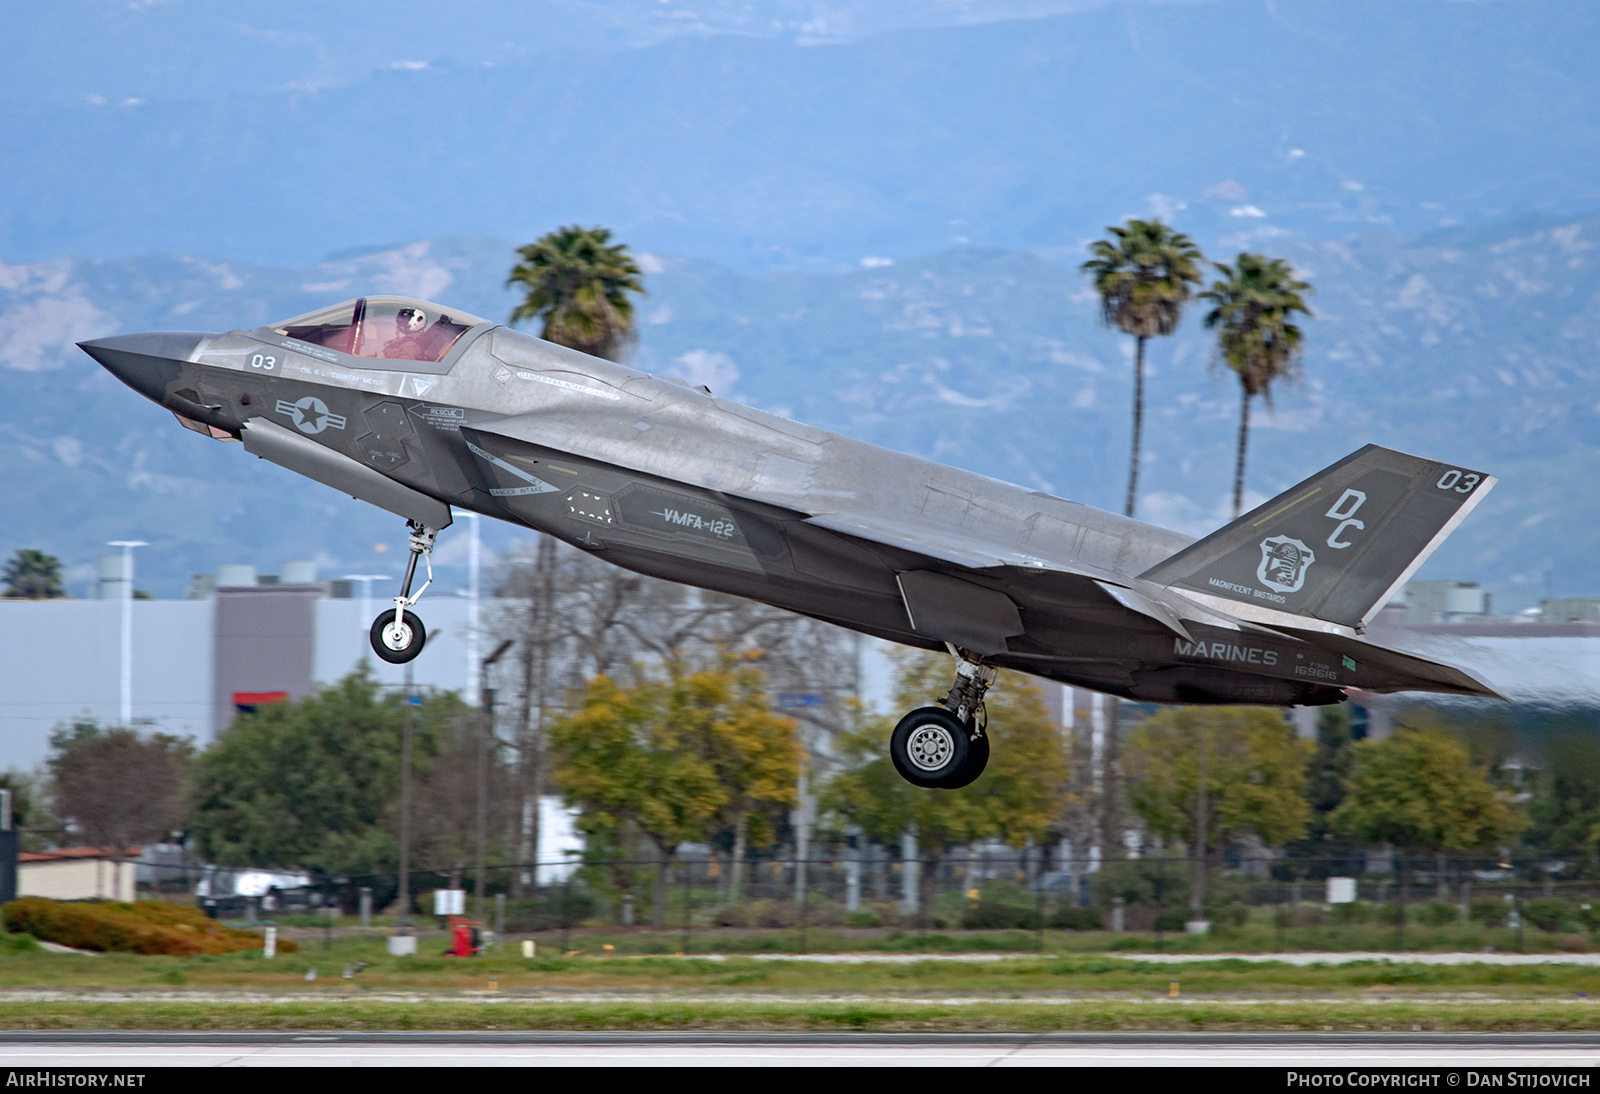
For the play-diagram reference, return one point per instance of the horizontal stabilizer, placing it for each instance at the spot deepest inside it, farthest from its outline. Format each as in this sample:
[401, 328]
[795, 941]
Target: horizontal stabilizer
[1337, 546]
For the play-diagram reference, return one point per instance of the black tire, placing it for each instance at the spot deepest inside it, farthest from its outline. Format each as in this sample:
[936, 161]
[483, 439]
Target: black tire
[977, 760]
[399, 648]
[929, 746]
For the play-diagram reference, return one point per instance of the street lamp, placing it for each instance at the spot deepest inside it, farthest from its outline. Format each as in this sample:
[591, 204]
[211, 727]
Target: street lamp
[127, 546]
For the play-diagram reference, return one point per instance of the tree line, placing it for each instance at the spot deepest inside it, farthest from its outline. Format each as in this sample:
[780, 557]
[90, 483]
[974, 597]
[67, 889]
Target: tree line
[656, 752]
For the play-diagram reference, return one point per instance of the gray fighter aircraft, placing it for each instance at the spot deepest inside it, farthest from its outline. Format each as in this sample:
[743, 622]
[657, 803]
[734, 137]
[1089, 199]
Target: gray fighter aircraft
[417, 408]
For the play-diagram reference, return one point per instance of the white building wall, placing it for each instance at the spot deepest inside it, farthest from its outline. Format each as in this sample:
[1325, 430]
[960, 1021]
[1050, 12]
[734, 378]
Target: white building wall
[342, 643]
[62, 659]
[77, 879]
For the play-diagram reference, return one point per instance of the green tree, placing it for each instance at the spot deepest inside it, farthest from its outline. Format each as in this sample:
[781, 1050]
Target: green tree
[1327, 779]
[1566, 807]
[1018, 798]
[1420, 791]
[315, 783]
[33, 575]
[673, 756]
[1206, 775]
[115, 787]
[1254, 304]
[578, 283]
[1144, 274]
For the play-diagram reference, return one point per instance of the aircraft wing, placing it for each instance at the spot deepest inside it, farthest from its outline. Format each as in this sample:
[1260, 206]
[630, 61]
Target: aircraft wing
[938, 543]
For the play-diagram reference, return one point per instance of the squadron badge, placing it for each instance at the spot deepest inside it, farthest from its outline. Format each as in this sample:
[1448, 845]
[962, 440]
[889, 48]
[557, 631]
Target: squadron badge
[1284, 563]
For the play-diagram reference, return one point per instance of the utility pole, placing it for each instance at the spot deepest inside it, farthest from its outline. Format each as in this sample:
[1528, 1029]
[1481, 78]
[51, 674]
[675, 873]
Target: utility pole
[405, 807]
[474, 684]
[485, 730]
[127, 546]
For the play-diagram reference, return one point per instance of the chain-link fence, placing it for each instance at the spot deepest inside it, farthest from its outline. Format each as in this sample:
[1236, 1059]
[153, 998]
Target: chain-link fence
[874, 893]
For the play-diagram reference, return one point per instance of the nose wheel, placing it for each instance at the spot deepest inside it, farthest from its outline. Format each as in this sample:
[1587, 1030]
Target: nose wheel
[397, 635]
[398, 641]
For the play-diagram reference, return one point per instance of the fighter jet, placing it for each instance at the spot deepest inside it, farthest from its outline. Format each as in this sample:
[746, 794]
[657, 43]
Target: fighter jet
[419, 409]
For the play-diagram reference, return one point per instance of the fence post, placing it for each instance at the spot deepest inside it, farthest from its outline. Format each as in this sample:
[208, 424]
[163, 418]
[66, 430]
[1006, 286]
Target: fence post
[366, 907]
[566, 901]
[687, 904]
[500, 922]
[1038, 910]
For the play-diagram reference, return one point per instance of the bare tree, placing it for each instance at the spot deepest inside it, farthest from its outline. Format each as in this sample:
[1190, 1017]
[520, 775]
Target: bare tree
[117, 787]
[446, 801]
[576, 616]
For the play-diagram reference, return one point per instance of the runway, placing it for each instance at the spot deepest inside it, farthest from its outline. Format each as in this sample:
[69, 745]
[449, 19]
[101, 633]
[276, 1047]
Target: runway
[1458, 1053]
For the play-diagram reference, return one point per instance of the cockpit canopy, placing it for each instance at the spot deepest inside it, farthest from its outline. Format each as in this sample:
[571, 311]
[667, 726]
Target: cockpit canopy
[389, 328]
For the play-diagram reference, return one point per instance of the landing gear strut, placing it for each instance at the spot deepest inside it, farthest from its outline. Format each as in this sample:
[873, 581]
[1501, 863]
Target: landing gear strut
[397, 635]
[945, 747]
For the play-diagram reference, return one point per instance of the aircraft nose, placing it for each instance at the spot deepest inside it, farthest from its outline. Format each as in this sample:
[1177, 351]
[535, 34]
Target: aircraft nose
[145, 362]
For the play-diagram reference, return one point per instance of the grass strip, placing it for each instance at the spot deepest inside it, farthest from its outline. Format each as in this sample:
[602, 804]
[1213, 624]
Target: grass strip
[1018, 1017]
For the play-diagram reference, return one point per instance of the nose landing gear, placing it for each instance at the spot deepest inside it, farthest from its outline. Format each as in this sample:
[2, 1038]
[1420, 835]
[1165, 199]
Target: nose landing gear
[397, 635]
[945, 747]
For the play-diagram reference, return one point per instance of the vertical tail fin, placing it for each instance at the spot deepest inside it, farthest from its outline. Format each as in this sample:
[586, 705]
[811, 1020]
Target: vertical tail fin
[1337, 546]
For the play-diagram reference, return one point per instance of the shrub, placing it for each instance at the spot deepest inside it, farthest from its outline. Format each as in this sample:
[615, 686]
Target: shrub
[992, 915]
[1438, 913]
[1232, 914]
[145, 926]
[550, 909]
[1356, 911]
[864, 918]
[1491, 911]
[1548, 913]
[1172, 919]
[1076, 919]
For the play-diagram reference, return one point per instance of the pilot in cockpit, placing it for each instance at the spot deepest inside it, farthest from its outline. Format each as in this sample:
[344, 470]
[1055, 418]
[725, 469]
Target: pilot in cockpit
[410, 326]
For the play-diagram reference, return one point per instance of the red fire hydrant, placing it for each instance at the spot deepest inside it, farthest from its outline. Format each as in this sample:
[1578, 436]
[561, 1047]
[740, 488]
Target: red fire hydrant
[465, 939]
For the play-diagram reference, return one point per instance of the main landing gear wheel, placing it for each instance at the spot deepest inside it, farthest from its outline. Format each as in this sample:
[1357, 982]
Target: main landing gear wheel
[946, 747]
[977, 760]
[930, 746]
[398, 642]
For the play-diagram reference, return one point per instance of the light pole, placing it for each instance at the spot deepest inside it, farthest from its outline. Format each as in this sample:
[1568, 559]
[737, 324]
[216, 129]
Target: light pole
[127, 546]
[365, 623]
[474, 696]
[485, 728]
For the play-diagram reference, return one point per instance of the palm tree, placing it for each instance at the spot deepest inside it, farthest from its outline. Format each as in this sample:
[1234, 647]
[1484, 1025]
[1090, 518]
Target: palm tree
[578, 283]
[1144, 277]
[1255, 302]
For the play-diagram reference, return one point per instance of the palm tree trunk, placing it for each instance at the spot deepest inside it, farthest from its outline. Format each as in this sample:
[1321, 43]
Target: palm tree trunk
[1244, 437]
[1138, 423]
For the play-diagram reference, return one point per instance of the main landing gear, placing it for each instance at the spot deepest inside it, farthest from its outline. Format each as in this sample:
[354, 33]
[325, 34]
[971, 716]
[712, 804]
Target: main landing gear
[945, 747]
[397, 635]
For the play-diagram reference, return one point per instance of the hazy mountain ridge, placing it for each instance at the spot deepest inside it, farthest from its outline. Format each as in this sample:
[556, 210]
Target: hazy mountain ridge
[1477, 346]
[764, 153]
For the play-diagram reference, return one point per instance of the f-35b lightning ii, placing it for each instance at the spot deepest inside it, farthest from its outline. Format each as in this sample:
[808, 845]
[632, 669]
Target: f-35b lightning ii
[418, 408]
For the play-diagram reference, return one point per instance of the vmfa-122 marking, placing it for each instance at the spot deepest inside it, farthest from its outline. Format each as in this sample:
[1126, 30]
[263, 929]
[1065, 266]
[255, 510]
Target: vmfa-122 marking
[418, 409]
